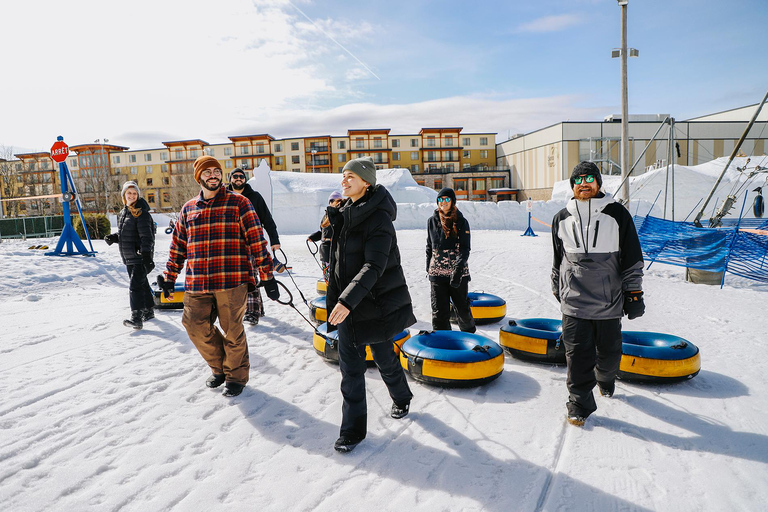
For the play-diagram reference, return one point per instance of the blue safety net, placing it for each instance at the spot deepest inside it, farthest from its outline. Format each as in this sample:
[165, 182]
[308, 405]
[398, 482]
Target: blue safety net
[739, 249]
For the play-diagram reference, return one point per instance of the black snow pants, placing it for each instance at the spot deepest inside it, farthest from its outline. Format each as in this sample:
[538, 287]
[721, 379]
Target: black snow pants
[139, 292]
[442, 296]
[354, 410]
[593, 353]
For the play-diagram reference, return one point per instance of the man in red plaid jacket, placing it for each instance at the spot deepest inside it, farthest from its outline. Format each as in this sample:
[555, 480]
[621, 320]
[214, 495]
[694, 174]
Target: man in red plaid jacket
[217, 234]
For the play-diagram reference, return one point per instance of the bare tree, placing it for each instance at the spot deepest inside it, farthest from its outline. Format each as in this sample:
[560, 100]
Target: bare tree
[9, 183]
[183, 187]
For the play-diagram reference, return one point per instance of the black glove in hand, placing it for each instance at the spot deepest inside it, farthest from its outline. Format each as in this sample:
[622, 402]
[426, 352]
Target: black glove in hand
[146, 258]
[111, 239]
[167, 287]
[634, 306]
[271, 289]
[456, 277]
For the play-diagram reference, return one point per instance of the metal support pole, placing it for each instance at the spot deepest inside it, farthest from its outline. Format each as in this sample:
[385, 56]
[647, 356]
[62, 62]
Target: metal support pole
[666, 176]
[673, 155]
[624, 104]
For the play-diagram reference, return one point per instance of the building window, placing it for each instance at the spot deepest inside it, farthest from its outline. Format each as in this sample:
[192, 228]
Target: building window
[359, 143]
[378, 158]
[164, 156]
[341, 144]
[149, 182]
[227, 151]
[483, 141]
[244, 149]
[395, 143]
[377, 142]
[360, 155]
[116, 159]
[438, 184]
[166, 181]
[151, 198]
[295, 170]
[148, 169]
[484, 153]
[497, 182]
[342, 158]
[228, 164]
[395, 157]
[164, 168]
[147, 157]
[449, 140]
[414, 143]
[294, 146]
[179, 154]
[278, 160]
[414, 155]
[193, 153]
[73, 162]
[465, 141]
[166, 196]
[431, 142]
[465, 154]
[415, 168]
[431, 156]
[295, 159]
[132, 158]
[134, 170]
[341, 169]
[210, 151]
[465, 166]
[451, 156]
[278, 148]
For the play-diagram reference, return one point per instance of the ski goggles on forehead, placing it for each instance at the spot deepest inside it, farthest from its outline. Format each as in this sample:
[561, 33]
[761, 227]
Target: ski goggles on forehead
[589, 178]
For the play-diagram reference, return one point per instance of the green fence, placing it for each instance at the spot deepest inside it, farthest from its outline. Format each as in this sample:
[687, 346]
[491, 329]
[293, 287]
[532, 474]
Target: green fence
[31, 227]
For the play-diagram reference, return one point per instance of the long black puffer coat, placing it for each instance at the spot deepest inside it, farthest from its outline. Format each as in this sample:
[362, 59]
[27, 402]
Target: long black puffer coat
[366, 275]
[136, 234]
[445, 255]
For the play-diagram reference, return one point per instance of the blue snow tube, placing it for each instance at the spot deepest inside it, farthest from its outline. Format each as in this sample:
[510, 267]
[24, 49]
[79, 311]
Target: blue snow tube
[452, 358]
[657, 357]
[163, 303]
[534, 339]
[486, 308]
[326, 343]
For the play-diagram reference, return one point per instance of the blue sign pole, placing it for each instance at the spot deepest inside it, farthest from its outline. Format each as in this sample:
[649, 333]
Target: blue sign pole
[529, 231]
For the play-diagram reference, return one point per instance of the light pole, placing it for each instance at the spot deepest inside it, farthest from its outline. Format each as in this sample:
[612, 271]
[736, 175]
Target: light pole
[313, 151]
[622, 52]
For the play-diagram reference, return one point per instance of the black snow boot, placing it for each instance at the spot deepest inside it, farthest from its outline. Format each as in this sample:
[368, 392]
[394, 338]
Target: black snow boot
[135, 321]
[148, 314]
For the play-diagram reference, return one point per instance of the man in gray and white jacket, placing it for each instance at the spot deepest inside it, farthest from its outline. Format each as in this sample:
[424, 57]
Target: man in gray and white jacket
[597, 276]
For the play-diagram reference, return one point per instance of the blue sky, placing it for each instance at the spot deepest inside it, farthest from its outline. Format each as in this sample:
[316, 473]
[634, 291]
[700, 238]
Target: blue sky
[143, 72]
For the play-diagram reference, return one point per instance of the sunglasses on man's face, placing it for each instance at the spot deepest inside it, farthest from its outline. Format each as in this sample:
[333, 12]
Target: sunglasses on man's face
[443, 199]
[238, 177]
[589, 178]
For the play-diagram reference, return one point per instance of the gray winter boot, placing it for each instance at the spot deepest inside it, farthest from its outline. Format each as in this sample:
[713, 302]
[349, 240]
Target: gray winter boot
[135, 321]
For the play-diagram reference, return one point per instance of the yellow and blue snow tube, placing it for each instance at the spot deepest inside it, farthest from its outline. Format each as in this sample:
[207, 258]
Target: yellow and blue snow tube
[657, 357]
[534, 339]
[327, 343]
[452, 358]
[162, 303]
[486, 308]
[318, 310]
[322, 286]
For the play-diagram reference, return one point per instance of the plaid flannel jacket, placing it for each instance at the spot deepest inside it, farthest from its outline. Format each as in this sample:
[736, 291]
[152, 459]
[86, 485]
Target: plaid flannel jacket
[218, 237]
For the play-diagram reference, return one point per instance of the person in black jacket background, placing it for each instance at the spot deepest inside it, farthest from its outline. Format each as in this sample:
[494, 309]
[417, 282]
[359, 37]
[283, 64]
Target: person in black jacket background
[136, 239]
[237, 184]
[447, 254]
[323, 235]
[368, 296]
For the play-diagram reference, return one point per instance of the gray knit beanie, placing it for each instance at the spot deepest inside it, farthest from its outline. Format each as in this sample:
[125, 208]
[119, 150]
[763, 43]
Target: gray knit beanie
[126, 186]
[364, 168]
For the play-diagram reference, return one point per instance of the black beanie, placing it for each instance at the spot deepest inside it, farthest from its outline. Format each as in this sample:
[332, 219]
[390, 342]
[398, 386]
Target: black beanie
[587, 168]
[448, 191]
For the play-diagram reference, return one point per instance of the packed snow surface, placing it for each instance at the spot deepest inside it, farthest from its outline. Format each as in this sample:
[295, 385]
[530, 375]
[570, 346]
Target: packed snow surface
[98, 417]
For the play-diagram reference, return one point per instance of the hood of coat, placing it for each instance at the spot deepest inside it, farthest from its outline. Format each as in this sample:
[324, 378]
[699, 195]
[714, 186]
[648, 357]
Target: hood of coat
[596, 204]
[376, 198]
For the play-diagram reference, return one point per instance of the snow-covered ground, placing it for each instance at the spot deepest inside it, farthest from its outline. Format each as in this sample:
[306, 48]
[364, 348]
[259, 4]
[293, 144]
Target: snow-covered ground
[95, 416]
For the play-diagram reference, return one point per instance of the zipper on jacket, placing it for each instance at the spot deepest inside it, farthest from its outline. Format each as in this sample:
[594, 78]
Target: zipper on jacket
[597, 228]
[589, 222]
[575, 235]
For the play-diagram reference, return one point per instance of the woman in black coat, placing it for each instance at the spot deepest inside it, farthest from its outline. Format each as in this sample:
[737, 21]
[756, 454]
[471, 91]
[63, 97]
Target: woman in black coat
[368, 296]
[447, 255]
[136, 239]
[323, 235]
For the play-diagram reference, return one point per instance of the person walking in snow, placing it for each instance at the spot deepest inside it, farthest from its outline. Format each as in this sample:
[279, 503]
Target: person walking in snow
[218, 235]
[447, 254]
[238, 185]
[323, 235]
[597, 276]
[135, 238]
[367, 297]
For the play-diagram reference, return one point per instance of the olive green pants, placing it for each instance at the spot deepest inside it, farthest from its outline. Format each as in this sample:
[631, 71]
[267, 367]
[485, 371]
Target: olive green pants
[226, 353]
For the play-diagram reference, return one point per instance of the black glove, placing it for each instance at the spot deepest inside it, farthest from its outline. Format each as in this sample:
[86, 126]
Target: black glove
[271, 289]
[111, 239]
[167, 287]
[456, 277]
[634, 306]
[146, 258]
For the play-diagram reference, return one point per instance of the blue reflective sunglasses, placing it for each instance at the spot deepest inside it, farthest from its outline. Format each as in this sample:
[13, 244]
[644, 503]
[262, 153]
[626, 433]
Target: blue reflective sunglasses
[589, 178]
[443, 199]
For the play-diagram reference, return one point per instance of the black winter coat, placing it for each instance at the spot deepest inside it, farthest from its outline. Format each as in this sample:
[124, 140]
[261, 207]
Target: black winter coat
[324, 234]
[136, 235]
[262, 212]
[366, 275]
[444, 250]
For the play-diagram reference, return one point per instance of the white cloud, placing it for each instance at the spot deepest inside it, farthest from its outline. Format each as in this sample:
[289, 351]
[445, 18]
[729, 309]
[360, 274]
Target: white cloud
[551, 23]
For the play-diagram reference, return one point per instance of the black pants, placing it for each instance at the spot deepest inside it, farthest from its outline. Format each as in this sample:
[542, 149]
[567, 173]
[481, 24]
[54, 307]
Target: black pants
[139, 292]
[442, 295]
[354, 410]
[593, 353]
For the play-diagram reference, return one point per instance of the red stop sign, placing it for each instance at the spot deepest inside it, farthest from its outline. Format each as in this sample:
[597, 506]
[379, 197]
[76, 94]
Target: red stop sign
[59, 151]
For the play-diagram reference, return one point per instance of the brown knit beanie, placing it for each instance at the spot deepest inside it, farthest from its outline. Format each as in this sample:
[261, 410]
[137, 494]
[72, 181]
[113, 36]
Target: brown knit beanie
[204, 162]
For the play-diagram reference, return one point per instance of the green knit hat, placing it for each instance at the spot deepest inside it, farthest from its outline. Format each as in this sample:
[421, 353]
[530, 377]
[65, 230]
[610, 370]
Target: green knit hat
[364, 168]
